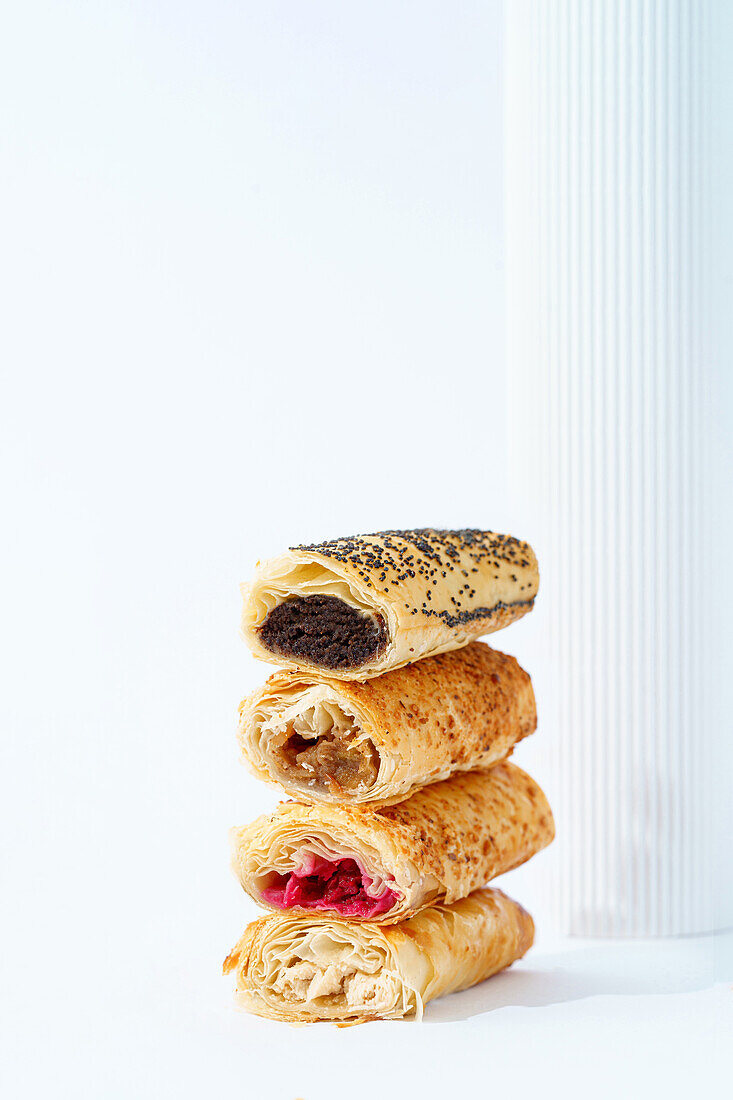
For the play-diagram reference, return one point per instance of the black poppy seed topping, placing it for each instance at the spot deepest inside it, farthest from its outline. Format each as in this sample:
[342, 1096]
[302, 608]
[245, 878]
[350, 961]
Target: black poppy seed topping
[399, 555]
[385, 558]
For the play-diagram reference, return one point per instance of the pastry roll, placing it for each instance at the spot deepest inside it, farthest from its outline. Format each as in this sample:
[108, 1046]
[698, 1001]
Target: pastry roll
[302, 970]
[338, 741]
[386, 864]
[360, 606]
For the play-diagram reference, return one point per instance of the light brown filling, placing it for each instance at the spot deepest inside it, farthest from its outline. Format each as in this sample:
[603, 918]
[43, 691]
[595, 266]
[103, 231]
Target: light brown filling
[334, 761]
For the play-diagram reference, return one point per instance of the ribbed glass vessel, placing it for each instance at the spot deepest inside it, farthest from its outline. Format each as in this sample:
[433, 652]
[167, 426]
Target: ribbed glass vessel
[618, 351]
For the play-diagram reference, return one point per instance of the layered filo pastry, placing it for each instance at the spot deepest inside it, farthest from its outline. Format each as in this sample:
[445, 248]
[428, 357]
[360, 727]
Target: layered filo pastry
[385, 864]
[331, 740]
[302, 970]
[357, 607]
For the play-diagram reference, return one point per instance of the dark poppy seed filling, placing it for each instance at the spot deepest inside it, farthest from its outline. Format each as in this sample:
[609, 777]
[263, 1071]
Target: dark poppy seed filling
[324, 631]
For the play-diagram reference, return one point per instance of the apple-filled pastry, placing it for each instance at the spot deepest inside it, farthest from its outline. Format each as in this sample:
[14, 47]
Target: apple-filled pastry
[331, 740]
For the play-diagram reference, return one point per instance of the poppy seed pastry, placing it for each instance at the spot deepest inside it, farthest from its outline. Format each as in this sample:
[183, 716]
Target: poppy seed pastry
[388, 863]
[358, 607]
[331, 740]
[301, 970]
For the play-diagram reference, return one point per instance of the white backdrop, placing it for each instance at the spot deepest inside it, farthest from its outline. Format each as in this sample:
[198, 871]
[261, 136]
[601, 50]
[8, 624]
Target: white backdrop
[252, 278]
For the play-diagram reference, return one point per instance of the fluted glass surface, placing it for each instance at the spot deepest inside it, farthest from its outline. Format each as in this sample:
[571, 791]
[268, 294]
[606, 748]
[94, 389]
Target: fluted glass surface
[615, 338]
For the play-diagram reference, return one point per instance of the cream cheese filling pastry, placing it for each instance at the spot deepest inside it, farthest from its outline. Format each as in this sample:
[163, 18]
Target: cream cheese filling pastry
[387, 863]
[330, 740]
[302, 970]
[360, 606]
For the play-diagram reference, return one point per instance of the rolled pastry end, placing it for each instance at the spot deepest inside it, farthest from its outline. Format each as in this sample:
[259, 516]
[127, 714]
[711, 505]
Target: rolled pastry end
[305, 970]
[336, 760]
[314, 876]
[310, 740]
[303, 610]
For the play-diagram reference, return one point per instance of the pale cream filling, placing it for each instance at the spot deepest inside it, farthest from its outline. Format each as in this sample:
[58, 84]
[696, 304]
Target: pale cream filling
[306, 981]
[326, 972]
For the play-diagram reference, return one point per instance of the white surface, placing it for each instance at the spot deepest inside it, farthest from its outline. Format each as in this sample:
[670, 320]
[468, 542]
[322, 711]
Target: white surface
[213, 213]
[575, 1018]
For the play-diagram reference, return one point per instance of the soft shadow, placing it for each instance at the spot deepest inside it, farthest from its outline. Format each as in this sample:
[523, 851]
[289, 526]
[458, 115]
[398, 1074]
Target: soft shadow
[617, 969]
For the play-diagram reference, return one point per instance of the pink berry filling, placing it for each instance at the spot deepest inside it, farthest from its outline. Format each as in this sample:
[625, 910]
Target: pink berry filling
[340, 885]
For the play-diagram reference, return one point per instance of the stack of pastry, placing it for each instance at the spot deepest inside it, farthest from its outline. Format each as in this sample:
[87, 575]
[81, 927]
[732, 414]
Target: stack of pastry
[390, 727]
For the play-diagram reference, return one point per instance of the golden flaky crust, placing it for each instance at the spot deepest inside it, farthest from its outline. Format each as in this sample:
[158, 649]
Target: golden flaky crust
[455, 712]
[438, 845]
[432, 590]
[441, 950]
